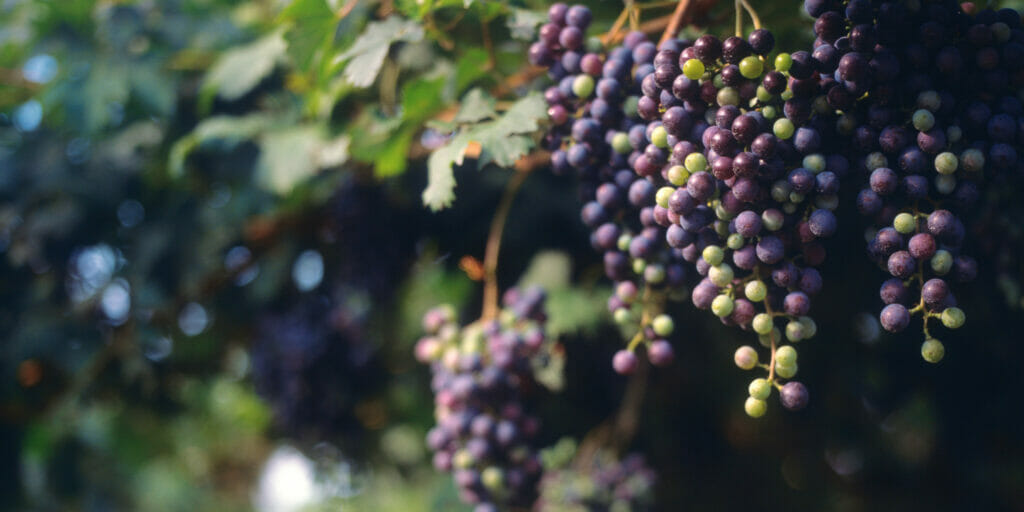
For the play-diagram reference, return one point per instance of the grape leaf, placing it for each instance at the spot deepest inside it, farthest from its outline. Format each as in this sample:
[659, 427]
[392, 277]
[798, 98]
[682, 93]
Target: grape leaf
[501, 141]
[476, 106]
[313, 29]
[239, 70]
[366, 55]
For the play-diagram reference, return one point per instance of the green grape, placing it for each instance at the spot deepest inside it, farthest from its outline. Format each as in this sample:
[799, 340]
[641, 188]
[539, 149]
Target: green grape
[654, 273]
[659, 137]
[783, 128]
[751, 67]
[620, 143]
[721, 274]
[766, 339]
[713, 254]
[693, 69]
[762, 323]
[760, 389]
[794, 331]
[923, 120]
[722, 306]
[735, 241]
[661, 197]
[756, 291]
[783, 61]
[492, 478]
[639, 265]
[663, 325]
[953, 317]
[755, 408]
[946, 163]
[728, 96]
[696, 162]
[814, 162]
[932, 350]
[623, 316]
[810, 327]
[745, 357]
[624, 240]
[875, 160]
[763, 95]
[769, 112]
[904, 223]
[583, 86]
[785, 355]
[786, 372]
[677, 175]
[629, 107]
[941, 262]
[787, 95]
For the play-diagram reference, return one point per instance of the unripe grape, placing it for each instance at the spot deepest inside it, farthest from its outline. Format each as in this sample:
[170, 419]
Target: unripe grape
[583, 86]
[713, 254]
[620, 143]
[810, 327]
[904, 223]
[654, 273]
[663, 195]
[785, 355]
[693, 69]
[624, 241]
[763, 323]
[783, 128]
[695, 162]
[663, 325]
[945, 184]
[923, 120]
[755, 408]
[794, 331]
[783, 61]
[735, 241]
[760, 389]
[932, 350]
[953, 317]
[623, 316]
[745, 357]
[946, 163]
[972, 160]
[786, 372]
[751, 67]
[756, 291]
[492, 478]
[722, 306]
[721, 275]
[677, 175]
[942, 262]
[659, 137]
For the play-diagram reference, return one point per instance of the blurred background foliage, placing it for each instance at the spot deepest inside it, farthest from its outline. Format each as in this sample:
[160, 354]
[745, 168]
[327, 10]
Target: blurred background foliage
[215, 254]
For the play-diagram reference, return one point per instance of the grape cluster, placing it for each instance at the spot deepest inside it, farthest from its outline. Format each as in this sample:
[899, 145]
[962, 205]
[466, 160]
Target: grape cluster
[481, 374]
[938, 116]
[603, 484]
[700, 165]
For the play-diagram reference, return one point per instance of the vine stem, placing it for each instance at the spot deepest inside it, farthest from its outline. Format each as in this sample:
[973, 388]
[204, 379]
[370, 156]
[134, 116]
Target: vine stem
[676, 21]
[739, 18]
[490, 309]
[753, 14]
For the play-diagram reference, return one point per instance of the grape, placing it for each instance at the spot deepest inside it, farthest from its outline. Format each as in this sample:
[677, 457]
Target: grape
[932, 350]
[745, 357]
[760, 389]
[755, 408]
[894, 318]
[794, 396]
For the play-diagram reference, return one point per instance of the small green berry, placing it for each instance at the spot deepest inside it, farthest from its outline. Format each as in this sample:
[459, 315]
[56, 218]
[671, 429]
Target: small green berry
[932, 350]
[751, 67]
[755, 408]
[659, 137]
[762, 323]
[904, 223]
[760, 389]
[583, 86]
[785, 355]
[663, 325]
[756, 291]
[713, 254]
[722, 306]
[953, 317]
[693, 69]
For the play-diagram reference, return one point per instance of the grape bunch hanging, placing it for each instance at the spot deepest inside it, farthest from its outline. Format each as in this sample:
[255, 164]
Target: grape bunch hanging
[714, 166]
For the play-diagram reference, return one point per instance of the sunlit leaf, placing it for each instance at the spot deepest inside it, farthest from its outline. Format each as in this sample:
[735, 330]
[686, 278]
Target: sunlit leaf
[240, 70]
[366, 56]
[477, 105]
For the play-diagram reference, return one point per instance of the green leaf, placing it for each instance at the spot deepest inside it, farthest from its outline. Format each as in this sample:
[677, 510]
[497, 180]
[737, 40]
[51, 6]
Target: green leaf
[394, 159]
[288, 157]
[440, 191]
[523, 23]
[502, 141]
[476, 106]
[471, 66]
[366, 55]
[313, 24]
[241, 69]
[421, 98]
